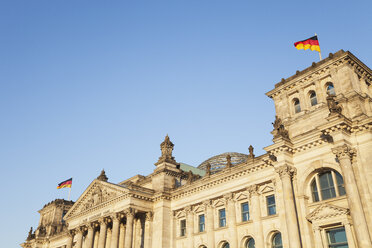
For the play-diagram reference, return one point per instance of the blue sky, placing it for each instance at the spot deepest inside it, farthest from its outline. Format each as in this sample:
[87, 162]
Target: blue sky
[86, 85]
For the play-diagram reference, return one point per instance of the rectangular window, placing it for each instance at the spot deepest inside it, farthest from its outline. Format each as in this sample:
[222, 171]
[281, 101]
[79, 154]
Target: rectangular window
[183, 228]
[222, 217]
[271, 207]
[245, 211]
[337, 238]
[201, 223]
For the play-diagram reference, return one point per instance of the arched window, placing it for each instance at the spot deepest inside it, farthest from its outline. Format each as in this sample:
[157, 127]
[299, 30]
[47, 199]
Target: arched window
[226, 245]
[330, 184]
[331, 89]
[313, 99]
[277, 241]
[250, 243]
[297, 106]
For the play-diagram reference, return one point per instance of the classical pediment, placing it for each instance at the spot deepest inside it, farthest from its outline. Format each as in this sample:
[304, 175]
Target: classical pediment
[325, 211]
[97, 193]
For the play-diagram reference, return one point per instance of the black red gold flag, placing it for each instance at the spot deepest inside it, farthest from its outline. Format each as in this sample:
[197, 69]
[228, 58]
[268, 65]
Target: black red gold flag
[65, 184]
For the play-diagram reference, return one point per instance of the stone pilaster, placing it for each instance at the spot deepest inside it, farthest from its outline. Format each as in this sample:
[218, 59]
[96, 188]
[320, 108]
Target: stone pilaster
[231, 219]
[318, 237]
[102, 233]
[256, 214]
[345, 155]
[190, 226]
[210, 223]
[286, 173]
[115, 230]
[148, 229]
[129, 228]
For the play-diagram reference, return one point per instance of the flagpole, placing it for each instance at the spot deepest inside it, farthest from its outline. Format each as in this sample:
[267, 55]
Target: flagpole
[320, 54]
[69, 192]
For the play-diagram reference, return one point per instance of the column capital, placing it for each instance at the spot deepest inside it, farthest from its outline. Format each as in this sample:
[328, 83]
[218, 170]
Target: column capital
[188, 209]
[253, 190]
[286, 171]
[129, 212]
[149, 216]
[71, 233]
[207, 204]
[103, 220]
[344, 152]
[228, 197]
[116, 216]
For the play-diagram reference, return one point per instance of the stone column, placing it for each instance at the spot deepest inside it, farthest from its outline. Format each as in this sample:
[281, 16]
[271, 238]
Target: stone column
[121, 235]
[286, 173]
[209, 223]
[129, 228]
[79, 238]
[344, 155]
[148, 229]
[96, 236]
[108, 238]
[89, 242]
[231, 219]
[102, 233]
[70, 239]
[115, 230]
[190, 226]
[256, 214]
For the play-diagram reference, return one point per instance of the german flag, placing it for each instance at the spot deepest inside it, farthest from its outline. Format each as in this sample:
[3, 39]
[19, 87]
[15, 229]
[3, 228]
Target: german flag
[311, 43]
[65, 184]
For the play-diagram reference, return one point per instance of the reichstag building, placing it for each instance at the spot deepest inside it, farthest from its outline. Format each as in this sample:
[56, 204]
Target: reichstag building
[312, 187]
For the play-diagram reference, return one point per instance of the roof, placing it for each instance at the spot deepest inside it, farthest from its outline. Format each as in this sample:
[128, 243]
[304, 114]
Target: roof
[219, 161]
[194, 170]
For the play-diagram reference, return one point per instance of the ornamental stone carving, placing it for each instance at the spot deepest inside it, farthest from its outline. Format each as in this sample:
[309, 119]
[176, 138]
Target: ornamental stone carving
[253, 190]
[250, 149]
[279, 129]
[208, 170]
[129, 212]
[286, 171]
[166, 148]
[103, 176]
[228, 161]
[344, 151]
[228, 197]
[333, 106]
[149, 216]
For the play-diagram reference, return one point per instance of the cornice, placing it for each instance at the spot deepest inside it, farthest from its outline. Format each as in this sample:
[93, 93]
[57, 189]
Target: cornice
[314, 71]
[223, 176]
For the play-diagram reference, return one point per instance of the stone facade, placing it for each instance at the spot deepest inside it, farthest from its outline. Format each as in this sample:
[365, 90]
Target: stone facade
[311, 188]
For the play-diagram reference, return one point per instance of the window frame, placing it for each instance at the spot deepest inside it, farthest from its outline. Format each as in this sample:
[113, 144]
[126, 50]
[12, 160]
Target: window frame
[245, 213]
[296, 105]
[332, 90]
[338, 187]
[183, 228]
[313, 99]
[271, 205]
[281, 240]
[201, 225]
[222, 219]
[328, 230]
